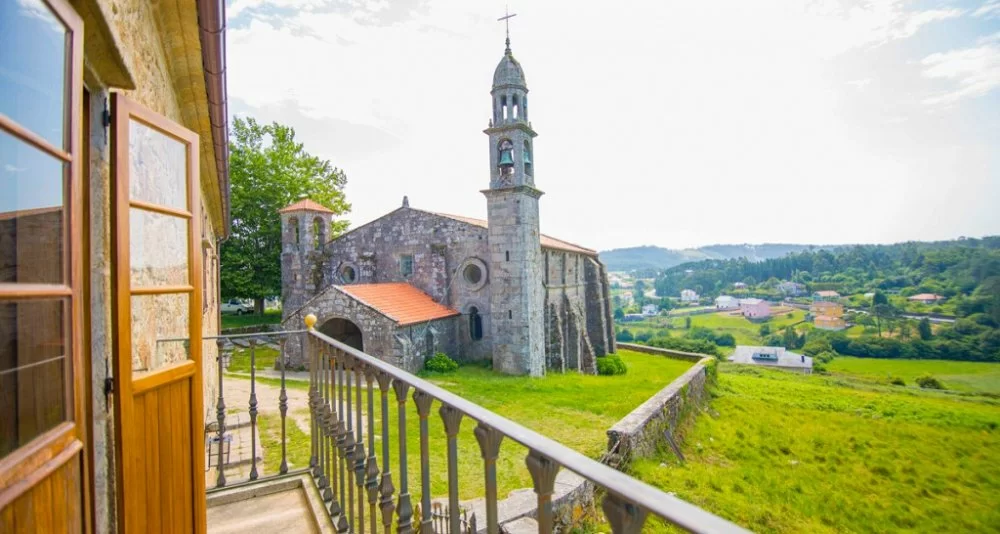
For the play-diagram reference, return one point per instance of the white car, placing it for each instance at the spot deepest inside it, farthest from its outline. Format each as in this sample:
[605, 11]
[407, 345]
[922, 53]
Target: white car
[235, 306]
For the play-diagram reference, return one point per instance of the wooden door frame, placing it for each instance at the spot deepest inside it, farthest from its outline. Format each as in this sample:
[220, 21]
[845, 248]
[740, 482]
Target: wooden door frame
[123, 110]
[32, 463]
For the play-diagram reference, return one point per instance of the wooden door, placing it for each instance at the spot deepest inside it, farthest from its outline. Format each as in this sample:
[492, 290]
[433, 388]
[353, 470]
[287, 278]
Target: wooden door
[42, 411]
[158, 370]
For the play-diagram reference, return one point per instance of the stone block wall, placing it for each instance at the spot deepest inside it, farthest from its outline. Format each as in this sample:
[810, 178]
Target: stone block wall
[640, 432]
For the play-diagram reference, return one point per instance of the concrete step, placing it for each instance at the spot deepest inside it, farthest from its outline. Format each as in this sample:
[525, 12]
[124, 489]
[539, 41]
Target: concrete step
[525, 525]
[286, 511]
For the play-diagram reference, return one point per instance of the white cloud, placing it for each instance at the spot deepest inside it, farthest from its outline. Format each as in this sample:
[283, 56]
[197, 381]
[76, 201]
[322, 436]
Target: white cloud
[990, 10]
[973, 72]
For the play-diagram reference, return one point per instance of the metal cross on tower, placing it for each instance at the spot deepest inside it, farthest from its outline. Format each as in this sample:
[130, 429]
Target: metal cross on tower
[506, 18]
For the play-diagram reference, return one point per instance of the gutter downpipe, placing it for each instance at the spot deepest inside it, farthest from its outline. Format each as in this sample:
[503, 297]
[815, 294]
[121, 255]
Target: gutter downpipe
[212, 30]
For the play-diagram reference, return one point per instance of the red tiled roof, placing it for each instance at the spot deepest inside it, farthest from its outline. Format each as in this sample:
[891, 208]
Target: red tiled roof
[547, 241]
[305, 204]
[926, 296]
[828, 293]
[399, 301]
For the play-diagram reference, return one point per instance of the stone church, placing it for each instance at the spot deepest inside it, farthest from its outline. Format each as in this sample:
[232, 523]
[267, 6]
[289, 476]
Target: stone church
[412, 283]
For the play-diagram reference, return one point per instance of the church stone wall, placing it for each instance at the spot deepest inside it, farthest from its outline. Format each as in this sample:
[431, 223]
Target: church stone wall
[577, 311]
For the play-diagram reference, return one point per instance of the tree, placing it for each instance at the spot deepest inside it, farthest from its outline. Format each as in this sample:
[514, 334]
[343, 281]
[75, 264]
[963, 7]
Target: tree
[924, 329]
[765, 330]
[269, 170]
[619, 314]
[687, 322]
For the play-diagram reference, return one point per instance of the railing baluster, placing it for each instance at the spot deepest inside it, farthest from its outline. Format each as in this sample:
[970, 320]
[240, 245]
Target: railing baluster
[385, 488]
[489, 444]
[341, 433]
[253, 409]
[423, 402]
[404, 508]
[330, 430]
[322, 414]
[220, 417]
[543, 473]
[625, 517]
[314, 421]
[326, 457]
[371, 469]
[283, 407]
[349, 444]
[359, 449]
[452, 422]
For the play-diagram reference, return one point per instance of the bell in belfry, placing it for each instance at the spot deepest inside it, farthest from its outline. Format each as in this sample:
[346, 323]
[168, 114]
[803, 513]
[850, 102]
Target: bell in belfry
[505, 159]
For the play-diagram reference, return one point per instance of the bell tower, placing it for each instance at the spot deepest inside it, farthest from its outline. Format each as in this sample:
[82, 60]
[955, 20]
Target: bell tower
[516, 292]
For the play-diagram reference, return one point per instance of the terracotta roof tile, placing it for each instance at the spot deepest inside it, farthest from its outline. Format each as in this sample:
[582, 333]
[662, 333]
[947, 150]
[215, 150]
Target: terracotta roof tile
[305, 204]
[547, 241]
[399, 301]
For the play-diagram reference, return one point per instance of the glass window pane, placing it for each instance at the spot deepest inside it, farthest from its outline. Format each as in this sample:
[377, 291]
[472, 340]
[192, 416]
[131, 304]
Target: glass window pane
[31, 214]
[157, 167]
[33, 68]
[159, 249]
[32, 370]
[156, 319]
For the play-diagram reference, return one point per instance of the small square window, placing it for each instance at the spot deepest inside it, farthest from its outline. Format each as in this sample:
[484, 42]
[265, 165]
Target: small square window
[406, 265]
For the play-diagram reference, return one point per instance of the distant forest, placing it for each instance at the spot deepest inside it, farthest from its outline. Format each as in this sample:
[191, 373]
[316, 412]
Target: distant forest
[948, 268]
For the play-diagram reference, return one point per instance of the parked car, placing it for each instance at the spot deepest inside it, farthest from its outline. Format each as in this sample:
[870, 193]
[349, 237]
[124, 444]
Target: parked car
[237, 307]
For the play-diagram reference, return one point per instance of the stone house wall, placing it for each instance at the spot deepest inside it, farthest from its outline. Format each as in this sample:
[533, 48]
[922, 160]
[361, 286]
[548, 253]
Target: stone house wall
[153, 46]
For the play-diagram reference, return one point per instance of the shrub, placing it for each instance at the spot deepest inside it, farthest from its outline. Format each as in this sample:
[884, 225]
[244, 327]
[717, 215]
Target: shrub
[686, 345]
[897, 381]
[725, 340]
[624, 336]
[765, 330]
[929, 382]
[825, 357]
[441, 363]
[819, 367]
[611, 365]
[644, 336]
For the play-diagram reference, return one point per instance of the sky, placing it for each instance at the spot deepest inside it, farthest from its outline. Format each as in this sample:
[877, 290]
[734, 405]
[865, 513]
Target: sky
[677, 124]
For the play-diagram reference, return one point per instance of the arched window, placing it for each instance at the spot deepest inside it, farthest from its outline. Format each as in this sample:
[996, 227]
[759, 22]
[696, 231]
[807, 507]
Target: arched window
[528, 167]
[475, 324]
[516, 113]
[293, 229]
[319, 232]
[429, 343]
[524, 107]
[503, 106]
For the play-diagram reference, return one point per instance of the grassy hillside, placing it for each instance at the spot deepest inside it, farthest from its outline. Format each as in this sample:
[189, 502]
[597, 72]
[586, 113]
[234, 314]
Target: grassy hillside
[649, 257]
[976, 377]
[797, 453]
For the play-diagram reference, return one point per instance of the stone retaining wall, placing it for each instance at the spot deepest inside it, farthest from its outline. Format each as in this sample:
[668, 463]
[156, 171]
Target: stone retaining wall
[639, 432]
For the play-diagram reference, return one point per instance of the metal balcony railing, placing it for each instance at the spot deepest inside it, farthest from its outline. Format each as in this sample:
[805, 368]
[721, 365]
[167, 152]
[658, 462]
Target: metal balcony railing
[356, 483]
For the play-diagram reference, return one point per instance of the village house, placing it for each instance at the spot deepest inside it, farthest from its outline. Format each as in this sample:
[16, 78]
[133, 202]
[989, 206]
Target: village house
[755, 309]
[726, 302]
[115, 198]
[825, 307]
[926, 298]
[774, 357]
[689, 295]
[650, 310]
[739, 285]
[826, 295]
[827, 322]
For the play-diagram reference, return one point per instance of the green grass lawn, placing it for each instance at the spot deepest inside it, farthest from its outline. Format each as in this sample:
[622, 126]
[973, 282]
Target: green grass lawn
[976, 377]
[264, 358]
[231, 320]
[811, 453]
[573, 409]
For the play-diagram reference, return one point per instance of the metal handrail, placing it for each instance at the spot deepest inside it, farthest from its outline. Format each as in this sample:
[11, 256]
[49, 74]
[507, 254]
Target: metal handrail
[627, 488]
